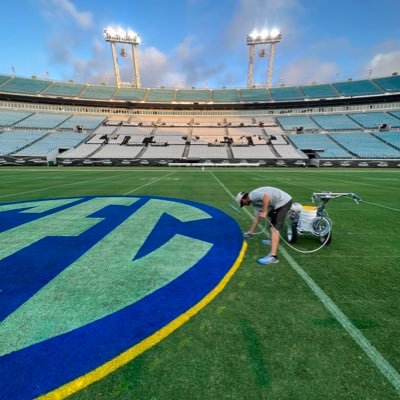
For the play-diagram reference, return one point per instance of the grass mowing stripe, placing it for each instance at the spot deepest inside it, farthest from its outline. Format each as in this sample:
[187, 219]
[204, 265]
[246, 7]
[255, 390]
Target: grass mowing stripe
[57, 186]
[380, 362]
[289, 183]
[361, 183]
[150, 183]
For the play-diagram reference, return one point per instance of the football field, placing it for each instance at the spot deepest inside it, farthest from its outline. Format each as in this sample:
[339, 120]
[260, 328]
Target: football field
[316, 325]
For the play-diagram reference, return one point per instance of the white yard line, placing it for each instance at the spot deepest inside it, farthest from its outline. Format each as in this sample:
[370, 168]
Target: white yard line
[380, 205]
[380, 362]
[150, 183]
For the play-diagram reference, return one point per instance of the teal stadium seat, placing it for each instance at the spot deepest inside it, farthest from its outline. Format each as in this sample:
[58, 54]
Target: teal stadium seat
[193, 96]
[254, 95]
[62, 89]
[335, 122]
[286, 93]
[43, 120]
[160, 95]
[357, 88]
[24, 85]
[58, 140]
[4, 78]
[9, 118]
[365, 145]
[374, 119]
[289, 123]
[319, 141]
[393, 138]
[225, 96]
[130, 94]
[319, 91]
[390, 83]
[14, 140]
[102, 92]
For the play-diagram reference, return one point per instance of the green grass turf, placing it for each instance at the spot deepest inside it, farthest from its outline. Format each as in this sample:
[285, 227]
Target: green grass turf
[266, 336]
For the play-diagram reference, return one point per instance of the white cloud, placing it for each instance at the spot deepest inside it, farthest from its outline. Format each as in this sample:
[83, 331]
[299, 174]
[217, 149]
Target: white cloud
[308, 70]
[383, 64]
[58, 10]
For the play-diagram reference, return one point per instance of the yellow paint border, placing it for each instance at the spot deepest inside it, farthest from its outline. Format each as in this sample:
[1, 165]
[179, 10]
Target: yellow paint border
[128, 355]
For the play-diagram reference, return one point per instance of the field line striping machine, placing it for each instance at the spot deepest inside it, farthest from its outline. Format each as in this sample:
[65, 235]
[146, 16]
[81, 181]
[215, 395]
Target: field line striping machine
[314, 220]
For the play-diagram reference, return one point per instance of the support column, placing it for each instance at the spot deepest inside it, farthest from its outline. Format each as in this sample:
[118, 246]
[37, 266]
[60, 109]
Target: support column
[251, 61]
[270, 65]
[115, 60]
[135, 66]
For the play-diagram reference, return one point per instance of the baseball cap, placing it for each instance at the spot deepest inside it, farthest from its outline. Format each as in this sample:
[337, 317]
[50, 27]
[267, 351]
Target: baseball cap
[239, 198]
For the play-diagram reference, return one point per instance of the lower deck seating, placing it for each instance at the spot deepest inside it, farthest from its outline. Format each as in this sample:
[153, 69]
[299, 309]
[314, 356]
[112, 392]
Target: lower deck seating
[319, 141]
[208, 152]
[252, 152]
[365, 145]
[172, 151]
[12, 141]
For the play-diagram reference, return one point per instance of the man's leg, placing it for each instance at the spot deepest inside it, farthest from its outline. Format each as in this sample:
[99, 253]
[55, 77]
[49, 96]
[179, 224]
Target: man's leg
[274, 242]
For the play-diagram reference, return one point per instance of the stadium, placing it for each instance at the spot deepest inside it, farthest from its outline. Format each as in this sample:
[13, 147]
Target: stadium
[125, 271]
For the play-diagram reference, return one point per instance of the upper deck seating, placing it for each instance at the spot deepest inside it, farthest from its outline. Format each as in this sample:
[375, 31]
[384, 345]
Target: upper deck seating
[335, 122]
[290, 123]
[193, 96]
[374, 119]
[131, 94]
[225, 96]
[253, 95]
[160, 95]
[3, 78]
[357, 88]
[67, 89]
[24, 85]
[43, 120]
[209, 121]
[102, 92]
[286, 93]
[9, 118]
[319, 91]
[390, 83]
[364, 145]
[319, 141]
[57, 140]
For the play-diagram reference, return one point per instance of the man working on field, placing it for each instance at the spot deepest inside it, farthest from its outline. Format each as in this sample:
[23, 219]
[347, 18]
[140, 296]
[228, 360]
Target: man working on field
[271, 202]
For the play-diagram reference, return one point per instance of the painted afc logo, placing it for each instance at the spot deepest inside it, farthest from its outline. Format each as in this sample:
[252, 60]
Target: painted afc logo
[78, 267]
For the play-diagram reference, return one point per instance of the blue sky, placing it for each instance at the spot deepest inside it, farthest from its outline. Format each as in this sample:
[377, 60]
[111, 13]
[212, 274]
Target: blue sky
[201, 43]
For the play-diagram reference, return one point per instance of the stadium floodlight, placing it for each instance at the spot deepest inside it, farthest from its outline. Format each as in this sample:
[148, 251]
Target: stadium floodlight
[122, 36]
[263, 37]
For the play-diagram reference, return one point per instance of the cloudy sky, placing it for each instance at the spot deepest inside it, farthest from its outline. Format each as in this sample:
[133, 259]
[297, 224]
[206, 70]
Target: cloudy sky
[201, 43]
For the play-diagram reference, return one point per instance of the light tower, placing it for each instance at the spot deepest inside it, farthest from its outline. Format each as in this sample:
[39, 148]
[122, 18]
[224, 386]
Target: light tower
[262, 38]
[124, 37]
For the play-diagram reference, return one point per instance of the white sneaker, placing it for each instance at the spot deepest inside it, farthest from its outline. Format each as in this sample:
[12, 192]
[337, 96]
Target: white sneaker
[268, 259]
[266, 242]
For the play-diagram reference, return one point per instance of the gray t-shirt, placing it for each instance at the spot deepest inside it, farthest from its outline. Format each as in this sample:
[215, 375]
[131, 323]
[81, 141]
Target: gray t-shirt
[277, 198]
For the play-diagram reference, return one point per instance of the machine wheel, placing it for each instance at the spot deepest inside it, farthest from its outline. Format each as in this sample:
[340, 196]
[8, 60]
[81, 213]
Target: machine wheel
[291, 232]
[322, 239]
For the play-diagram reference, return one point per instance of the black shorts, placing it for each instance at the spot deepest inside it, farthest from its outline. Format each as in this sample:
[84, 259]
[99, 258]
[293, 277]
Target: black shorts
[278, 215]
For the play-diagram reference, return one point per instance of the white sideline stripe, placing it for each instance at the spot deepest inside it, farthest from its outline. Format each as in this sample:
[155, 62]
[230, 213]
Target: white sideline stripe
[150, 183]
[361, 183]
[380, 362]
[53, 187]
[380, 205]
